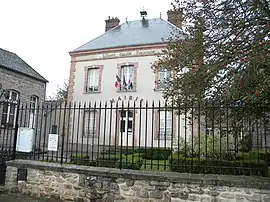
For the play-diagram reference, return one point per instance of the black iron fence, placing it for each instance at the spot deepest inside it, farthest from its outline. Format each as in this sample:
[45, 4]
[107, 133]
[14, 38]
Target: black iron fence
[216, 138]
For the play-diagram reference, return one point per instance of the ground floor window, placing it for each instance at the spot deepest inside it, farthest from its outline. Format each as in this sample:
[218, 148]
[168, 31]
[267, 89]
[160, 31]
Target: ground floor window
[33, 111]
[126, 121]
[10, 108]
[165, 124]
[90, 123]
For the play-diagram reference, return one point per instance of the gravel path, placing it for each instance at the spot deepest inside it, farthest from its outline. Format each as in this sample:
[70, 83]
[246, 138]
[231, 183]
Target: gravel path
[15, 198]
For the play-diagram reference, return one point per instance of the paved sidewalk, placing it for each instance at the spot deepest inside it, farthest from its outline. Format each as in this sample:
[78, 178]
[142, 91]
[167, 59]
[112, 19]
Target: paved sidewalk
[15, 198]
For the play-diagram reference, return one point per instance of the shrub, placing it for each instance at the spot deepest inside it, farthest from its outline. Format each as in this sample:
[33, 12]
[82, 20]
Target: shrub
[134, 150]
[80, 159]
[246, 143]
[258, 154]
[109, 161]
[214, 166]
[157, 154]
[149, 153]
[131, 161]
[206, 145]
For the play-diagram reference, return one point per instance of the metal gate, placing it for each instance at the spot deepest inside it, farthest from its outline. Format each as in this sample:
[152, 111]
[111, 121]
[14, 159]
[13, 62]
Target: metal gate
[9, 116]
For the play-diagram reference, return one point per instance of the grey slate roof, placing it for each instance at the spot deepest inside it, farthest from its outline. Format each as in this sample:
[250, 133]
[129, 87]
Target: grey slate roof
[131, 34]
[13, 62]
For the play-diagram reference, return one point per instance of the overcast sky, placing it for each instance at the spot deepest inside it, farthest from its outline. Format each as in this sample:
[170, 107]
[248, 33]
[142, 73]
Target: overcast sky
[42, 32]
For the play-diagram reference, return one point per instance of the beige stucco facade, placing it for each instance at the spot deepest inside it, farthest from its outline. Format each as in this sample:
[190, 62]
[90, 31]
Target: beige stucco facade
[144, 121]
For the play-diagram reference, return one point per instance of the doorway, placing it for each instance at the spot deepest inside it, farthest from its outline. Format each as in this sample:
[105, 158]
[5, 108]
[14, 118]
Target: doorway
[126, 128]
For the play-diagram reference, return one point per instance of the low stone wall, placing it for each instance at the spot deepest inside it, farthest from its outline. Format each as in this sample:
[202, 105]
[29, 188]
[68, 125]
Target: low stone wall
[81, 183]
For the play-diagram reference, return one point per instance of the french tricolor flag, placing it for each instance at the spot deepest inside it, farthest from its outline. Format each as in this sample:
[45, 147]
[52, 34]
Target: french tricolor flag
[117, 82]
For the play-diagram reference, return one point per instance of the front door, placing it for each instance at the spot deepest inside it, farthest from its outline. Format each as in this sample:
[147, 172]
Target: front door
[126, 128]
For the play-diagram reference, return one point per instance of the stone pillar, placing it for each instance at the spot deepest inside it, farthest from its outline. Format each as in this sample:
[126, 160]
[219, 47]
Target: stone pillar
[11, 179]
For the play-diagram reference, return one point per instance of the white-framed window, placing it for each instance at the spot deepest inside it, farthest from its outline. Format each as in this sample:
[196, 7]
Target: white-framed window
[162, 76]
[90, 123]
[165, 124]
[126, 122]
[33, 111]
[10, 108]
[92, 80]
[127, 78]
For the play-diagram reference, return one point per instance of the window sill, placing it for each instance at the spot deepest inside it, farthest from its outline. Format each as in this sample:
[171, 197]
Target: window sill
[126, 91]
[92, 92]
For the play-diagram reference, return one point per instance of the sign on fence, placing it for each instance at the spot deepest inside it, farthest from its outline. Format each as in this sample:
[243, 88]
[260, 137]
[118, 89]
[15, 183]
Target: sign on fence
[25, 139]
[53, 142]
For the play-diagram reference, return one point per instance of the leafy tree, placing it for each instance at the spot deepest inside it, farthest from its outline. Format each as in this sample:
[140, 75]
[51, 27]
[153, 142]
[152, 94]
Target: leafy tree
[61, 93]
[221, 54]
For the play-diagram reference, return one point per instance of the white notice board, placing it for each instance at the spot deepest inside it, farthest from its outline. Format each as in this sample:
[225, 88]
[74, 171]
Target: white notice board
[53, 142]
[25, 139]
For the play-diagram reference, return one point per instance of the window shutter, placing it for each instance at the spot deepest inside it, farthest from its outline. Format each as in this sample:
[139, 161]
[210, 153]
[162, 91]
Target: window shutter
[100, 77]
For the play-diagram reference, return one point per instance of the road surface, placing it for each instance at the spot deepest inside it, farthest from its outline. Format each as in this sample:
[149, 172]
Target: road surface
[15, 198]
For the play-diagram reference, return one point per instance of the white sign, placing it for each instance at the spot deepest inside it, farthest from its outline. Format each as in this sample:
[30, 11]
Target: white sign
[129, 54]
[123, 54]
[53, 142]
[25, 139]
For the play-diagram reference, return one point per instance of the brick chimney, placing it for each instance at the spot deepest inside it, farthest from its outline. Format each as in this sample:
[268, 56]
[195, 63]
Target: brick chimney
[111, 23]
[175, 17]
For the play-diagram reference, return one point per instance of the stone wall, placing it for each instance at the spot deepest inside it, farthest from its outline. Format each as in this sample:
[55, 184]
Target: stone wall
[81, 183]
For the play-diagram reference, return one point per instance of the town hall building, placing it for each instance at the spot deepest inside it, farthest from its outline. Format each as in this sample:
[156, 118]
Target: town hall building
[115, 68]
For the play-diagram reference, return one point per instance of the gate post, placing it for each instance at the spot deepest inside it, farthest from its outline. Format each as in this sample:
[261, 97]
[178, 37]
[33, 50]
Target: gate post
[16, 131]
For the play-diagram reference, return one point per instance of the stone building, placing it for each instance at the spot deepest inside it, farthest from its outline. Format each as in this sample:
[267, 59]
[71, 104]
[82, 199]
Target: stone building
[116, 68]
[19, 81]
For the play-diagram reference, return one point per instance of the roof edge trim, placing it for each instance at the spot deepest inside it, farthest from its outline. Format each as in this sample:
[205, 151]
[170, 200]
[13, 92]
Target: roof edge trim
[19, 72]
[117, 48]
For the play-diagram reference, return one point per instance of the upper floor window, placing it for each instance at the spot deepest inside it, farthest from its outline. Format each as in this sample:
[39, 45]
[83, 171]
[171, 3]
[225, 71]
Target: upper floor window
[127, 76]
[92, 80]
[162, 77]
[10, 108]
[12, 95]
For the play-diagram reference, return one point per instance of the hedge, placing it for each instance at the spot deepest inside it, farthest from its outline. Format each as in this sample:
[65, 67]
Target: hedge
[153, 153]
[258, 154]
[131, 161]
[80, 159]
[157, 154]
[216, 166]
